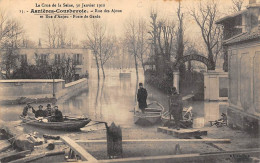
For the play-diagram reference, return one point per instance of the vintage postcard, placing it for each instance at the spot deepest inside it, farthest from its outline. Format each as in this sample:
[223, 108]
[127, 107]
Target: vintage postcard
[129, 81]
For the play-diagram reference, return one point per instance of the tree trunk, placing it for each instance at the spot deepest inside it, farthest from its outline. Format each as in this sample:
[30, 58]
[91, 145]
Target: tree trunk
[143, 66]
[211, 59]
[102, 67]
[136, 67]
[97, 66]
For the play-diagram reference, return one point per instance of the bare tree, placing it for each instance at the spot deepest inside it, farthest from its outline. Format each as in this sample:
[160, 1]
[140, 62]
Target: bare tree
[205, 16]
[180, 42]
[131, 40]
[11, 34]
[237, 5]
[142, 41]
[95, 42]
[3, 29]
[108, 50]
[154, 35]
[57, 35]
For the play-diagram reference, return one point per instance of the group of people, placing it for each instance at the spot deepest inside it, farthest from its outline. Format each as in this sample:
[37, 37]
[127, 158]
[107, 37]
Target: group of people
[175, 103]
[52, 114]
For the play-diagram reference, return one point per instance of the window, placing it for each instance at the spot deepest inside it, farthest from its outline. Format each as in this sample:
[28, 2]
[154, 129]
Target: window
[77, 59]
[43, 58]
[57, 58]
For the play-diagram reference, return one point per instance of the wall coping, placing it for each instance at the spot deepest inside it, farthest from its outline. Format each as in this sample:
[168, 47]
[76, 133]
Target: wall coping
[215, 73]
[75, 82]
[31, 81]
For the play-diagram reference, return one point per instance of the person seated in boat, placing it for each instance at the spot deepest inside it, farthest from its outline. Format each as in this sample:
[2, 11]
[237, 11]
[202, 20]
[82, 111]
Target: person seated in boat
[175, 107]
[141, 97]
[28, 110]
[57, 117]
[40, 112]
[49, 110]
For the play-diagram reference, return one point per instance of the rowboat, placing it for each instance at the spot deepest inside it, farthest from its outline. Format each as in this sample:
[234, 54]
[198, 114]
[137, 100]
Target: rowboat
[151, 115]
[69, 124]
[186, 117]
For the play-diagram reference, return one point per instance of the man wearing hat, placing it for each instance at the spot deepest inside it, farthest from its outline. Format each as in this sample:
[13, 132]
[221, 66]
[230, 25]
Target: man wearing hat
[141, 97]
[57, 115]
[40, 112]
[49, 110]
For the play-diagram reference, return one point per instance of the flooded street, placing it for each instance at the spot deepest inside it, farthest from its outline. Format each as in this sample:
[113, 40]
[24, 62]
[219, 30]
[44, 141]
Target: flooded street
[113, 100]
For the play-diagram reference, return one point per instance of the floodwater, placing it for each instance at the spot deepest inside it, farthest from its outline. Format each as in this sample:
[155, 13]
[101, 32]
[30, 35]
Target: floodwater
[113, 100]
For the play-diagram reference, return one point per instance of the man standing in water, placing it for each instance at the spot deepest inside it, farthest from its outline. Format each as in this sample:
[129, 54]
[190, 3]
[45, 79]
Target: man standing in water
[141, 97]
[175, 107]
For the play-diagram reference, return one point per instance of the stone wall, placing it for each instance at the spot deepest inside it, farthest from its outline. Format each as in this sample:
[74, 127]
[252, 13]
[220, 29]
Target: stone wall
[244, 91]
[12, 90]
[244, 86]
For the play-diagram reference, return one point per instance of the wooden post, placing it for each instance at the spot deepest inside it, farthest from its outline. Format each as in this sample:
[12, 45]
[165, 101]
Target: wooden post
[114, 141]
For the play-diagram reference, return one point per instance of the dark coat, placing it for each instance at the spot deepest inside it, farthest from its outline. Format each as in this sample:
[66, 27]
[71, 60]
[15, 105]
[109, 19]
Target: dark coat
[40, 113]
[175, 106]
[58, 116]
[141, 98]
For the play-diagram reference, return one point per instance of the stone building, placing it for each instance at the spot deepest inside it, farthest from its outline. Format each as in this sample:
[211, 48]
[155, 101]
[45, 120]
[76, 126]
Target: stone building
[80, 57]
[242, 42]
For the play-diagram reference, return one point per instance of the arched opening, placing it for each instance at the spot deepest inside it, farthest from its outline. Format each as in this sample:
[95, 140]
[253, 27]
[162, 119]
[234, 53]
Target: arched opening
[192, 82]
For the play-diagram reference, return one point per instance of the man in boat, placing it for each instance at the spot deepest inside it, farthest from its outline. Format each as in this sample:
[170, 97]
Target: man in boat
[175, 107]
[40, 112]
[49, 110]
[57, 117]
[28, 110]
[141, 97]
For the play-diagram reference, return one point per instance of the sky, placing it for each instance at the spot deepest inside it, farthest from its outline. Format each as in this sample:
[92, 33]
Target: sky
[35, 26]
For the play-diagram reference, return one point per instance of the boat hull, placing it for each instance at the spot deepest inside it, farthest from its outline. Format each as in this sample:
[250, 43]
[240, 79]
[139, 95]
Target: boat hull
[151, 116]
[147, 118]
[67, 125]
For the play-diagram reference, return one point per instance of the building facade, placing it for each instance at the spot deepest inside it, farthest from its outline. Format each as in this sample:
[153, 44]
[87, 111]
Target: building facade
[80, 57]
[242, 42]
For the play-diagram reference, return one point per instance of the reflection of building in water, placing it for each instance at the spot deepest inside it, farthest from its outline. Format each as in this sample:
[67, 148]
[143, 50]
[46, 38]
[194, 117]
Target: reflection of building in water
[80, 57]
[242, 41]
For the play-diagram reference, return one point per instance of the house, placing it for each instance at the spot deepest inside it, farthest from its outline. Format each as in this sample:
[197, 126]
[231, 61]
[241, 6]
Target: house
[79, 56]
[241, 32]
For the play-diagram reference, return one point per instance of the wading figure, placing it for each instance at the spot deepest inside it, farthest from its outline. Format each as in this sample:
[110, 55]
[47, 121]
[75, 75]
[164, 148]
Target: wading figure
[141, 97]
[175, 107]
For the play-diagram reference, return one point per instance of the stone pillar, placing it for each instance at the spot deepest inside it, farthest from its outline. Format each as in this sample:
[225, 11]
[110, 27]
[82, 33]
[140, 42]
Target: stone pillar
[252, 107]
[239, 56]
[206, 87]
[176, 80]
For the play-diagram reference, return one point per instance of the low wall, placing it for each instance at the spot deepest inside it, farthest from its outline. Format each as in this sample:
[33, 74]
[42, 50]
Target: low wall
[12, 91]
[73, 88]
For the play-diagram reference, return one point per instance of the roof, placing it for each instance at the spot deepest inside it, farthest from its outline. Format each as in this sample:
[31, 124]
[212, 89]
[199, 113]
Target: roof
[230, 16]
[243, 37]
